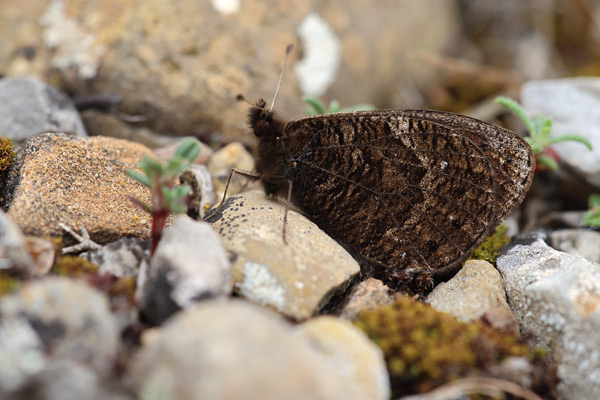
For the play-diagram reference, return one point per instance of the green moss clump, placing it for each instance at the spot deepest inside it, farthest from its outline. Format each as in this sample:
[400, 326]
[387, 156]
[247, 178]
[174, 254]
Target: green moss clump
[425, 348]
[490, 249]
[8, 284]
[7, 155]
[75, 267]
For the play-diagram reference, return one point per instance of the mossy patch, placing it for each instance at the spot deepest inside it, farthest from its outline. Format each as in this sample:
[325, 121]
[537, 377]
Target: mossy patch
[490, 249]
[425, 348]
[116, 288]
[7, 155]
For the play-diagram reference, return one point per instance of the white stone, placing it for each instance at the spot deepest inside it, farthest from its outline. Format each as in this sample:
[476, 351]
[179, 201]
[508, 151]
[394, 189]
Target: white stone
[322, 55]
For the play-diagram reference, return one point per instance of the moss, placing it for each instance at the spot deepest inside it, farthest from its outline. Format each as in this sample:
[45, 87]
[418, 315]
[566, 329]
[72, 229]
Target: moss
[74, 267]
[490, 249]
[8, 284]
[424, 348]
[7, 155]
[114, 287]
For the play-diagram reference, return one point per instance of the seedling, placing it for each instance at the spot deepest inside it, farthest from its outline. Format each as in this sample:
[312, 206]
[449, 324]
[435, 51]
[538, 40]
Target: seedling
[539, 135]
[315, 107]
[166, 198]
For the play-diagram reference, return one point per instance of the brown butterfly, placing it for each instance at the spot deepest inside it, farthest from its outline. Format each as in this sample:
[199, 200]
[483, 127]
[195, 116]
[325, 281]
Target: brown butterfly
[411, 193]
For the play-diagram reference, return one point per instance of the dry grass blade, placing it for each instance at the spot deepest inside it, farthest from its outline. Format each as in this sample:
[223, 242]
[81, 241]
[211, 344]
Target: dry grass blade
[492, 387]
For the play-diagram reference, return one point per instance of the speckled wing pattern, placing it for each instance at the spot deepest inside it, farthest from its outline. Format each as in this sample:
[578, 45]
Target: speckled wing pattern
[407, 189]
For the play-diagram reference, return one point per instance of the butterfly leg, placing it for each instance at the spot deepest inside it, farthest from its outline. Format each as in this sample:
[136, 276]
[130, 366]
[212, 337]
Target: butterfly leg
[247, 174]
[287, 207]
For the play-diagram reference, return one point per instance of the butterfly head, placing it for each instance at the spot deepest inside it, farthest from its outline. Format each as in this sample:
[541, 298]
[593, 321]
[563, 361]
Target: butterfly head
[263, 122]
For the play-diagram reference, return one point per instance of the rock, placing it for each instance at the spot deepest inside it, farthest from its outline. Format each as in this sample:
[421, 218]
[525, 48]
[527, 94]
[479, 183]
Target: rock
[366, 295]
[100, 123]
[54, 319]
[43, 253]
[573, 105]
[473, 291]
[563, 219]
[223, 350]
[202, 196]
[234, 155]
[29, 107]
[13, 248]
[22, 353]
[121, 258]
[203, 54]
[167, 151]
[297, 278]
[189, 265]
[68, 380]
[350, 352]
[556, 298]
[79, 182]
[580, 242]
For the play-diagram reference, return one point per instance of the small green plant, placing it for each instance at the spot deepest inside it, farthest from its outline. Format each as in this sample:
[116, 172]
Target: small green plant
[166, 198]
[539, 135]
[315, 107]
[592, 216]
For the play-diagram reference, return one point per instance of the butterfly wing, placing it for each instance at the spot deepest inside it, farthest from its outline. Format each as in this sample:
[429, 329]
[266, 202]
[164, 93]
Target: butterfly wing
[410, 190]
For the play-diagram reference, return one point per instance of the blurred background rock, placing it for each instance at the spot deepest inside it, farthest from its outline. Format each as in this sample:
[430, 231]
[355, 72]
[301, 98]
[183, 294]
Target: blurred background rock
[181, 64]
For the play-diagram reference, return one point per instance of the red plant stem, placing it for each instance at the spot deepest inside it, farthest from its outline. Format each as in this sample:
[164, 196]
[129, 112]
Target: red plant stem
[159, 220]
[159, 215]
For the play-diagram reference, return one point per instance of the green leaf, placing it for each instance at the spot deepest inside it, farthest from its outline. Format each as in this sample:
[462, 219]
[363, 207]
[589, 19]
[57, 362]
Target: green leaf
[140, 204]
[188, 149]
[138, 176]
[175, 198]
[334, 106]
[592, 218]
[544, 132]
[316, 106]
[535, 147]
[594, 200]
[174, 167]
[519, 111]
[152, 167]
[548, 162]
[572, 137]
[179, 191]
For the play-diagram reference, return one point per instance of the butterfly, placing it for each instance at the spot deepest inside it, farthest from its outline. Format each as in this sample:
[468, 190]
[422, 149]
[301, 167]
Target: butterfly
[410, 193]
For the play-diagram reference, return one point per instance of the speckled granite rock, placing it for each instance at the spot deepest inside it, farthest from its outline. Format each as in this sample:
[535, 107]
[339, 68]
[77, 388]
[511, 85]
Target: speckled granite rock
[79, 182]
[297, 278]
[473, 291]
[228, 350]
[556, 298]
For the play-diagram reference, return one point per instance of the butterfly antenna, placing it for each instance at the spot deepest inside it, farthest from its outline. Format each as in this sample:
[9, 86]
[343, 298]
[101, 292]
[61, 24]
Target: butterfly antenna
[288, 50]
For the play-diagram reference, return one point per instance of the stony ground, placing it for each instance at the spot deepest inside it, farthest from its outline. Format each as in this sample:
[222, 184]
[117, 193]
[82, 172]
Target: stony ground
[225, 309]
